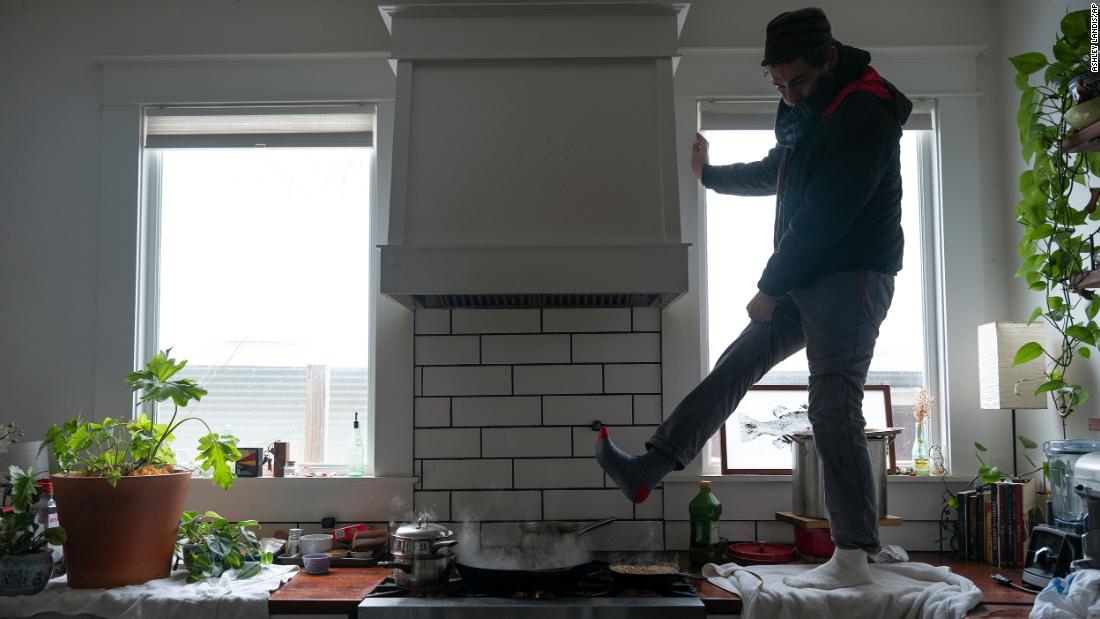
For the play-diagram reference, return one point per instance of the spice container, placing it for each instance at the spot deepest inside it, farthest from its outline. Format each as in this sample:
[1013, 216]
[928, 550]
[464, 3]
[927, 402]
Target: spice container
[293, 541]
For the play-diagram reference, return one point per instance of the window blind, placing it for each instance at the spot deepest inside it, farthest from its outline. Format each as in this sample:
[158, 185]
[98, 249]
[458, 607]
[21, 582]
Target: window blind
[252, 126]
[748, 115]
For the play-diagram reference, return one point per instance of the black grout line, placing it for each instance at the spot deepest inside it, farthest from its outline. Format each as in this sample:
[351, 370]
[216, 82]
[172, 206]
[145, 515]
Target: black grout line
[534, 363]
[512, 375]
[513, 473]
[540, 332]
[480, 350]
[633, 420]
[450, 322]
[450, 412]
[603, 379]
[632, 320]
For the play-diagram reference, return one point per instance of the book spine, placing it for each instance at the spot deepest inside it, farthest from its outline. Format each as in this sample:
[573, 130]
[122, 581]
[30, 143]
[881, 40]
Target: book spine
[1021, 541]
[982, 527]
[995, 529]
[962, 525]
[1010, 527]
[971, 500]
[979, 526]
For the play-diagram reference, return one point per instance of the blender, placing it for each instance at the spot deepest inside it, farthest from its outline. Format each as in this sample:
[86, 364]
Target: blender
[1055, 548]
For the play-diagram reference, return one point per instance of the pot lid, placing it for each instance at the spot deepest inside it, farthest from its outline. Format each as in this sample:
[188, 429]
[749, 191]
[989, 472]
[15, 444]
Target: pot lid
[869, 432]
[761, 552]
[423, 530]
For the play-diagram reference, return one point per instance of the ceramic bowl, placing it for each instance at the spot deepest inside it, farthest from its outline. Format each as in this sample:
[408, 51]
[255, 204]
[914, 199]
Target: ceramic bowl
[337, 553]
[314, 543]
[316, 562]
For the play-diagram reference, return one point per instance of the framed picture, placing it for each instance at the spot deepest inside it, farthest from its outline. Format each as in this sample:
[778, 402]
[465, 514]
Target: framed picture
[249, 464]
[752, 437]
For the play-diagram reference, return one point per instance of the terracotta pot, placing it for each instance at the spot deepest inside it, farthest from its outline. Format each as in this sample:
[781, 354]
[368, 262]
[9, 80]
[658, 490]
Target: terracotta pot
[123, 535]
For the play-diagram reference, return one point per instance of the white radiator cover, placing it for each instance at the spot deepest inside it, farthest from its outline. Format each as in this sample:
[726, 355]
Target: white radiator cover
[534, 150]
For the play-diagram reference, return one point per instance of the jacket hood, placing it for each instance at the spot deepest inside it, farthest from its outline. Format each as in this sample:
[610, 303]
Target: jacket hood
[851, 62]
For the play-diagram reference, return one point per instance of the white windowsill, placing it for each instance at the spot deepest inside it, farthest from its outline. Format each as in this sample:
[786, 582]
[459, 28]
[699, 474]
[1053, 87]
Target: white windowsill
[731, 479]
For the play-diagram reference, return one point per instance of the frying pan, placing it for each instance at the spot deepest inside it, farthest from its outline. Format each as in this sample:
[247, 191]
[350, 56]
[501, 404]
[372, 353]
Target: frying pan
[492, 580]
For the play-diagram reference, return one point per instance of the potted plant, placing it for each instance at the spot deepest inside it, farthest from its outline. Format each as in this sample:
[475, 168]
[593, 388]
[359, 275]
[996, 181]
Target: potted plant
[120, 493]
[1055, 245]
[210, 545]
[25, 562]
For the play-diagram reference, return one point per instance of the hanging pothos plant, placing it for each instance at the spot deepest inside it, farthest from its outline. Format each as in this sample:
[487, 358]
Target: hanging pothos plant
[1055, 246]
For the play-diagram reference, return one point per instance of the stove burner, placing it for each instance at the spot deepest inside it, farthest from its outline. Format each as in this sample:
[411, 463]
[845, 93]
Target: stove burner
[595, 582]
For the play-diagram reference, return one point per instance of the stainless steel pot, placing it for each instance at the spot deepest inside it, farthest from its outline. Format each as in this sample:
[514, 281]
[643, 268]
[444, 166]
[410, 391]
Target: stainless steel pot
[808, 482]
[555, 532]
[423, 554]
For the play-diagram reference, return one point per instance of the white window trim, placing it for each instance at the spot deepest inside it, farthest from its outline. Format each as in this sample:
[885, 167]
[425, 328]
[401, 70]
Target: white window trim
[947, 75]
[128, 84]
[931, 260]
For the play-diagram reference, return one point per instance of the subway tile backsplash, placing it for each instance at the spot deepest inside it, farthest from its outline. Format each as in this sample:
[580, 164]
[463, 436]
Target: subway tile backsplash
[504, 419]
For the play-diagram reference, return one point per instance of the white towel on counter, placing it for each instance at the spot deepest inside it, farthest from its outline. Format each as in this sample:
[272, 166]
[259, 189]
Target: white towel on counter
[166, 598]
[899, 591]
[1076, 596]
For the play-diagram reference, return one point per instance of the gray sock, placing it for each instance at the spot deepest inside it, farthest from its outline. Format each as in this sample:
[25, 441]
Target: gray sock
[635, 475]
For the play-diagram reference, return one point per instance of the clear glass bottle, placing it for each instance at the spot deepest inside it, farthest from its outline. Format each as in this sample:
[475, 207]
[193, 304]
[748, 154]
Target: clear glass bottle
[45, 510]
[355, 451]
[704, 511]
[920, 448]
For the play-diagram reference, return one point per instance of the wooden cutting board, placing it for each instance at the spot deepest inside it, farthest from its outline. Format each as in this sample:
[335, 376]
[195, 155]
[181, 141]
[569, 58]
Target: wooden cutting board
[338, 591]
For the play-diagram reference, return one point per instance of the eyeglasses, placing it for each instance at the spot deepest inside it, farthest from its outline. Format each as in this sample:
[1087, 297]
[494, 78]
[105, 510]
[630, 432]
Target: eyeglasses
[796, 83]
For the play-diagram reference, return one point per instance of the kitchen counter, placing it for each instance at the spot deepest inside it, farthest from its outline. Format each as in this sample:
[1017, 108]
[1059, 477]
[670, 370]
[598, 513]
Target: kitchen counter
[339, 592]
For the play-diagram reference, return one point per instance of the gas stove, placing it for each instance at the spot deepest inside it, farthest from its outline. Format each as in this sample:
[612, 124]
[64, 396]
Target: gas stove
[595, 595]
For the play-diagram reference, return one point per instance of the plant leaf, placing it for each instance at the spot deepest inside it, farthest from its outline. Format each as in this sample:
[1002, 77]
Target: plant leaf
[1026, 442]
[215, 454]
[249, 570]
[980, 447]
[1027, 352]
[1029, 62]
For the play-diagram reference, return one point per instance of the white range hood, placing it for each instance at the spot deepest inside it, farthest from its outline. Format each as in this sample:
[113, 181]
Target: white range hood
[534, 157]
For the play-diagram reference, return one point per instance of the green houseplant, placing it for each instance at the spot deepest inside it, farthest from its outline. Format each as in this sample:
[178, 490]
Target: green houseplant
[120, 493]
[26, 563]
[209, 545]
[1055, 245]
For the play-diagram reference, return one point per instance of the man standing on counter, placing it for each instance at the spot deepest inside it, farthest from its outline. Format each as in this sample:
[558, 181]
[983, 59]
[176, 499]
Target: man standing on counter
[836, 174]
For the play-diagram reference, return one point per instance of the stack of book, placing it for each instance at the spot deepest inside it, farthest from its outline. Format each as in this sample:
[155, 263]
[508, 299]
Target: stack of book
[992, 524]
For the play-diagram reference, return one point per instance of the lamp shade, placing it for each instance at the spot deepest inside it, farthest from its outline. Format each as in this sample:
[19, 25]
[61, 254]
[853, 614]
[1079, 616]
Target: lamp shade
[998, 343]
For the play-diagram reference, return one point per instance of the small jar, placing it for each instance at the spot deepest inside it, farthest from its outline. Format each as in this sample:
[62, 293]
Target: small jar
[291, 469]
[292, 541]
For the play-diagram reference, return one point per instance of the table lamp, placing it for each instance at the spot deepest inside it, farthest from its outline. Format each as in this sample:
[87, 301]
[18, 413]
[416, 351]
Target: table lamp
[998, 343]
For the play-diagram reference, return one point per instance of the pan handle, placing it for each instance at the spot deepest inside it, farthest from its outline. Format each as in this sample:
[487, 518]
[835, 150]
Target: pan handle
[595, 525]
[404, 567]
[444, 544]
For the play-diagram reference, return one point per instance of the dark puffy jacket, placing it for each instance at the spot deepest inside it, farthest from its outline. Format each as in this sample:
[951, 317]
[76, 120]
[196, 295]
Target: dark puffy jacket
[838, 188]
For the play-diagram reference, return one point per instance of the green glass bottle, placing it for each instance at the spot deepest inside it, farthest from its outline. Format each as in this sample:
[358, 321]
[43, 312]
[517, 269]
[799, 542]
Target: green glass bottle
[704, 512]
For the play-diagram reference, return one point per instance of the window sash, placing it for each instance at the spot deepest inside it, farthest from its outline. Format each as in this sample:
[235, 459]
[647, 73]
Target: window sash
[259, 126]
[759, 114]
[931, 244]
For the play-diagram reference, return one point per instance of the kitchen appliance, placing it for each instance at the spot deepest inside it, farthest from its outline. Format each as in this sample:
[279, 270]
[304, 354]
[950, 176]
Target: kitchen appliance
[422, 555]
[1067, 506]
[1086, 484]
[807, 478]
[593, 594]
[1051, 552]
[1071, 540]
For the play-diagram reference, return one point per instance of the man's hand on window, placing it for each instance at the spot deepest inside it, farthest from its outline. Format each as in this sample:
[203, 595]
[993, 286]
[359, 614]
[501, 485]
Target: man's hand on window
[700, 155]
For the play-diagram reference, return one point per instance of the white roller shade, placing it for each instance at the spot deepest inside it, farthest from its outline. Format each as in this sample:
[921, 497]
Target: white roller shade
[760, 115]
[248, 126]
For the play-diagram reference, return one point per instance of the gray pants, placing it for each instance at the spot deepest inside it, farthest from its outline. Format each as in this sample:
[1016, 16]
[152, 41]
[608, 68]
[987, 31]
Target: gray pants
[837, 320]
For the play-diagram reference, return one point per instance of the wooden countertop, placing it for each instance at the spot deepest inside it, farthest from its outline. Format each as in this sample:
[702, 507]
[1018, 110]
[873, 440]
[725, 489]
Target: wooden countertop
[340, 591]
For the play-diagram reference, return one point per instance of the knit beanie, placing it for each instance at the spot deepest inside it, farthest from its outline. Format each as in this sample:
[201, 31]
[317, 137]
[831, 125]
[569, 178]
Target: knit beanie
[795, 33]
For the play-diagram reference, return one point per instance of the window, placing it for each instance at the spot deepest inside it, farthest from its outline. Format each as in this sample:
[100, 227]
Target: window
[256, 269]
[905, 352]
